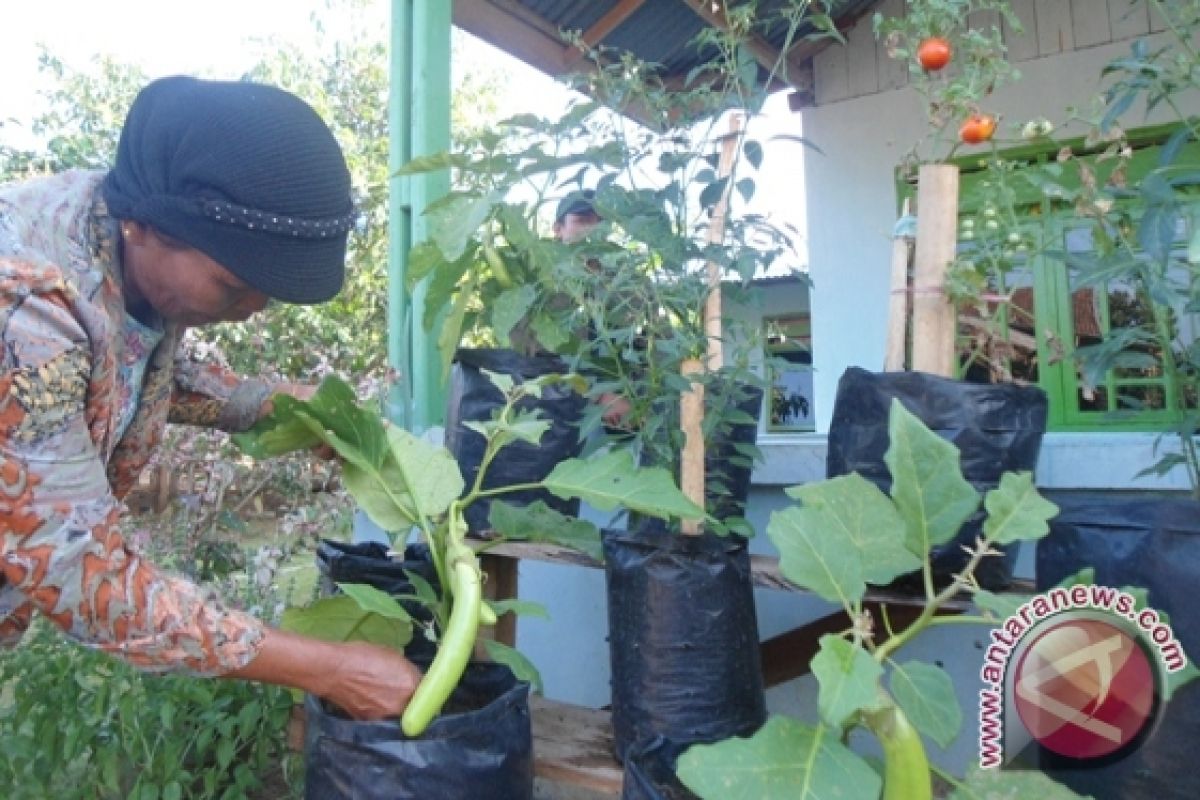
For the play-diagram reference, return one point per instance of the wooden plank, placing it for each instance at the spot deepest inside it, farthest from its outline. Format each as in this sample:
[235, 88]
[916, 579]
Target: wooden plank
[1128, 20]
[764, 571]
[1089, 23]
[789, 655]
[691, 415]
[573, 746]
[934, 323]
[831, 75]
[863, 72]
[893, 73]
[1054, 33]
[1022, 45]
[501, 585]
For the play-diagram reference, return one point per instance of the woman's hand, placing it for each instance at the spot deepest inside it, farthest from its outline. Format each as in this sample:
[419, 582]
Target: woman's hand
[616, 409]
[364, 680]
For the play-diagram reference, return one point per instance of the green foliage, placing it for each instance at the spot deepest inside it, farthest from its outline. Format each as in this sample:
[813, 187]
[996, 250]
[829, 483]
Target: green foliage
[80, 725]
[403, 483]
[829, 546]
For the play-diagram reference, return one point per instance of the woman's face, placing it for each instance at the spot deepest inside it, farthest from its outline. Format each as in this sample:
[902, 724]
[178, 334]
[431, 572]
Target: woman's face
[181, 283]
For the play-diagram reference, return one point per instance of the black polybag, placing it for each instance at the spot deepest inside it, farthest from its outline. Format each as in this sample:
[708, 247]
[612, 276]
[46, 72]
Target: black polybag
[997, 428]
[473, 398]
[683, 638]
[1153, 542]
[483, 753]
[368, 562]
[650, 772]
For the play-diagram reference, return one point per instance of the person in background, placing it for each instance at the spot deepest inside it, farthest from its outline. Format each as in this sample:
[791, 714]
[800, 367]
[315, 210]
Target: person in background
[574, 218]
[223, 195]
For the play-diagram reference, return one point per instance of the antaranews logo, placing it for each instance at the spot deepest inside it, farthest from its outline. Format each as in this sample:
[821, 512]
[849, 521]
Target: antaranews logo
[1080, 671]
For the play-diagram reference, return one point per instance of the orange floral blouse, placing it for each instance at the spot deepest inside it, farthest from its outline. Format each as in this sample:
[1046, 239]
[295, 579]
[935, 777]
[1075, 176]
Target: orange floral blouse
[65, 463]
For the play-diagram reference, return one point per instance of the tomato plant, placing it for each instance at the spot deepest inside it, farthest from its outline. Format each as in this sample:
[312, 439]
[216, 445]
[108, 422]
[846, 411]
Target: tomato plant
[934, 53]
[977, 129]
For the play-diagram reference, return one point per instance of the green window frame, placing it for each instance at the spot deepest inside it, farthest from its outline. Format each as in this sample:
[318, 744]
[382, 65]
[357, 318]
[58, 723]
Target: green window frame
[1062, 316]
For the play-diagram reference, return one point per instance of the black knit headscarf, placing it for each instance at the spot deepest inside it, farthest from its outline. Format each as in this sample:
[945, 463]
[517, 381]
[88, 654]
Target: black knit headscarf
[246, 173]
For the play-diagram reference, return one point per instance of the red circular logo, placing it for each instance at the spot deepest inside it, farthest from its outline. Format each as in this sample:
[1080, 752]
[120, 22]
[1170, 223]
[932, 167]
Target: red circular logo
[1084, 688]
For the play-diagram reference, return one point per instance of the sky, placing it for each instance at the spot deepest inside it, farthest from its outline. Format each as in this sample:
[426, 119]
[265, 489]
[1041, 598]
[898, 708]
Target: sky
[222, 38]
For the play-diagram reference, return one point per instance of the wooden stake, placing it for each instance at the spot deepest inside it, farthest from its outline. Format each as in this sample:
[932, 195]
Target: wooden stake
[933, 315]
[898, 304]
[691, 413]
[716, 234]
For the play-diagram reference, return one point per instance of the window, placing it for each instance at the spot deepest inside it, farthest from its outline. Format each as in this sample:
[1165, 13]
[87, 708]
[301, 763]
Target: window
[1036, 311]
[789, 352]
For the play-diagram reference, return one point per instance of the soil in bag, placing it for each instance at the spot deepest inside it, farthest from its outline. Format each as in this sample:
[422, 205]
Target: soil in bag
[473, 398]
[484, 752]
[683, 638]
[997, 428]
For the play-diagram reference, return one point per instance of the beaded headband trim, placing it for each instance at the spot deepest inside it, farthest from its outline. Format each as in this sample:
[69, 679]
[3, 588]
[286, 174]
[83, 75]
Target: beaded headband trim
[300, 227]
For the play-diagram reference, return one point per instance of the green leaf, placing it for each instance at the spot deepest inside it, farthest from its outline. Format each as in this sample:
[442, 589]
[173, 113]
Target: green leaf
[510, 308]
[1016, 512]
[379, 492]
[610, 479]
[753, 151]
[848, 678]
[431, 477]
[1002, 606]
[342, 619]
[814, 560]
[374, 601]
[1087, 575]
[926, 695]
[454, 221]
[538, 522]
[927, 484]
[995, 784]
[854, 511]
[784, 759]
[521, 666]
[523, 608]
[713, 192]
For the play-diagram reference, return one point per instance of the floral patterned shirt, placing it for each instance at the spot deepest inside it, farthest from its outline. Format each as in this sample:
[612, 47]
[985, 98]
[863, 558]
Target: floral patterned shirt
[84, 399]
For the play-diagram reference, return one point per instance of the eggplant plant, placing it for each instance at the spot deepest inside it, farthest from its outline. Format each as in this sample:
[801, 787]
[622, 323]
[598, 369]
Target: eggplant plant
[404, 483]
[844, 535]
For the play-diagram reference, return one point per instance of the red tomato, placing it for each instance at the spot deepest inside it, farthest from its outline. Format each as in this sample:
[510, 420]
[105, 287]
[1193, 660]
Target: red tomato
[977, 129]
[934, 53]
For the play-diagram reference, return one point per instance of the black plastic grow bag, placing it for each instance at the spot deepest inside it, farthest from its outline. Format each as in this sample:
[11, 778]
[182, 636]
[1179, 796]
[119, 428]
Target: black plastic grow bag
[650, 772]
[481, 753]
[683, 639]
[997, 428]
[473, 398]
[1151, 541]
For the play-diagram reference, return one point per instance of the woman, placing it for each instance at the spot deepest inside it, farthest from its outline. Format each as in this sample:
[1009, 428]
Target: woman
[223, 195]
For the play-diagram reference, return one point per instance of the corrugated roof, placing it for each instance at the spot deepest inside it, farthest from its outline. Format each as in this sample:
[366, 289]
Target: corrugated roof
[655, 31]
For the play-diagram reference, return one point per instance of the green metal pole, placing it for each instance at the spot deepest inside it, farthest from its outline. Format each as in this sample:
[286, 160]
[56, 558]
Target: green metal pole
[400, 396]
[430, 133]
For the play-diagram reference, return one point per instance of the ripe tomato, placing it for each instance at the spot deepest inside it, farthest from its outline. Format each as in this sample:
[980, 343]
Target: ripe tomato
[977, 129]
[934, 53]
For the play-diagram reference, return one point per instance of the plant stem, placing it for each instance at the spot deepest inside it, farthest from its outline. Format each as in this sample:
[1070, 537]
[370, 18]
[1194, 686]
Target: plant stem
[959, 583]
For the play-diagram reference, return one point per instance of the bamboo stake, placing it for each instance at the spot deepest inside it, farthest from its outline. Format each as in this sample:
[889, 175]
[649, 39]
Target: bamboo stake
[691, 404]
[898, 304]
[933, 315]
[691, 413]
[716, 234]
